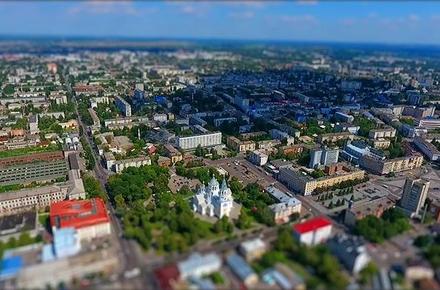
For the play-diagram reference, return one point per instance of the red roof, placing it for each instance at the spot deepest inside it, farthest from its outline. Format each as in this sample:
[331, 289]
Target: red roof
[78, 213]
[311, 225]
[166, 275]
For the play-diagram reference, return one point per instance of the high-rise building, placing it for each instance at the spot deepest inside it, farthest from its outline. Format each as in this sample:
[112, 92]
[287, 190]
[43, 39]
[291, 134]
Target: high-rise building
[123, 105]
[414, 195]
[323, 156]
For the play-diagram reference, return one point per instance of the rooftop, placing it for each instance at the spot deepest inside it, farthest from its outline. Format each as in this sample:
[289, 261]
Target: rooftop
[311, 225]
[78, 213]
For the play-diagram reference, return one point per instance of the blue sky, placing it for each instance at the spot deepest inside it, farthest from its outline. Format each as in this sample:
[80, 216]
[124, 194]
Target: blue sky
[309, 20]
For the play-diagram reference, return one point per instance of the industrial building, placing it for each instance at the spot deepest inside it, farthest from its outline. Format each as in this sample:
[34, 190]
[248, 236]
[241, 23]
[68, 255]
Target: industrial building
[43, 166]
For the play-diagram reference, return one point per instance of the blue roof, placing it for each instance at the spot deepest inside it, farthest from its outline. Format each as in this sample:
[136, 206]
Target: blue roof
[10, 266]
[239, 266]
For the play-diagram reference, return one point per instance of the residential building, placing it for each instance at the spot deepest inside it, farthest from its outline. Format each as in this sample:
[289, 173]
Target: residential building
[88, 217]
[429, 123]
[415, 192]
[280, 135]
[242, 269]
[213, 199]
[313, 231]
[427, 148]
[268, 144]
[346, 127]
[198, 265]
[220, 121]
[304, 184]
[253, 249]
[39, 167]
[33, 125]
[386, 166]
[323, 157]
[239, 145]
[173, 153]
[258, 157]
[387, 132]
[282, 211]
[204, 140]
[351, 251]
[381, 143]
[334, 137]
[123, 106]
[295, 149]
[340, 116]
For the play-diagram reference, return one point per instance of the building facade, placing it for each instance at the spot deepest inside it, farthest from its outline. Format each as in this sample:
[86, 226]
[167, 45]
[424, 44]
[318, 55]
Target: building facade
[213, 200]
[204, 140]
[414, 196]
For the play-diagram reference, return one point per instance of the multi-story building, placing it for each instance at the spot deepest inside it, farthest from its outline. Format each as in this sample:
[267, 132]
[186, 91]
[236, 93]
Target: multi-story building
[239, 145]
[414, 195]
[124, 106]
[282, 211]
[430, 151]
[323, 156]
[388, 132]
[295, 149]
[351, 251]
[268, 144]
[44, 166]
[419, 112]
[204, 140]
[119, 165]
[429, 123]
[280, 135]
[340, 116]
[304, 184]
[258, 158]
[88, 217]
[365, 208]
[33, 124]
[314, 231]
[173, 153]
[334, 137]
[386, 166]
[381, 143]
[44, 196]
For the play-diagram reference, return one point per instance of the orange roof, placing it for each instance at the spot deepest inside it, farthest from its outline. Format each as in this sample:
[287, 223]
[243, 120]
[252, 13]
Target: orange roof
[78, 213]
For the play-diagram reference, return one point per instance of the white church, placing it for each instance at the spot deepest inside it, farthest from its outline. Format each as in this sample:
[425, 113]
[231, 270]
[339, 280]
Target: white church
[213, 199]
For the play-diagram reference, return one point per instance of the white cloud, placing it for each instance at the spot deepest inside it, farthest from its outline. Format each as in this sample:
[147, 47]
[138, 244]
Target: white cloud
[242, 15]
[300, 19]
[109, 7]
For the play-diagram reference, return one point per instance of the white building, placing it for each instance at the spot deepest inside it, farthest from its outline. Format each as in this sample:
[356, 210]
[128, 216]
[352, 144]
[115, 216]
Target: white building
[213, 199]
[198, 265]
[204, 140]
[313, 232]
[258, 158]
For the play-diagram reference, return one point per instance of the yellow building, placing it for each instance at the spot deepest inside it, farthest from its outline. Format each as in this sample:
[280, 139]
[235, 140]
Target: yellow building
[240, 146]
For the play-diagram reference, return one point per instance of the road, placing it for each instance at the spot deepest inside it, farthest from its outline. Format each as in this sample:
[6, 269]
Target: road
[257, 174]
[127, 250]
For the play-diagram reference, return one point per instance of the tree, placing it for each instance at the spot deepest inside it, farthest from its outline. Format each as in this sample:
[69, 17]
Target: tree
[244, 221]
[367, 273]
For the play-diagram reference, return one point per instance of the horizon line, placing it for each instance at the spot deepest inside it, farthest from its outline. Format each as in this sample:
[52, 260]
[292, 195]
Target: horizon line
[60, 37]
